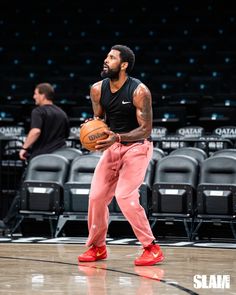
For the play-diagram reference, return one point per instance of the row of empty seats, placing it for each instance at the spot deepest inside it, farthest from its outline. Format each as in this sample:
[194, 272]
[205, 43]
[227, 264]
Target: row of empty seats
[171, 116]
[12, 138]
[186, 186]
[220, 138]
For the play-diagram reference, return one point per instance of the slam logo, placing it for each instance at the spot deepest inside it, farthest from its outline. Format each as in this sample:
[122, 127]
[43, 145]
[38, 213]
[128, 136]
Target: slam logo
[211, 281]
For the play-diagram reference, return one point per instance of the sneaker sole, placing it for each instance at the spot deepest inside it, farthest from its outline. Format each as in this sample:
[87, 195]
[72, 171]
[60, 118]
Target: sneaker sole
[160, 259]
[92, 259]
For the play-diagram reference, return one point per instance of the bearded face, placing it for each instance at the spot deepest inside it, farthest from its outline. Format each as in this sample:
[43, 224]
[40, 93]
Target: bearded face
[112, 74]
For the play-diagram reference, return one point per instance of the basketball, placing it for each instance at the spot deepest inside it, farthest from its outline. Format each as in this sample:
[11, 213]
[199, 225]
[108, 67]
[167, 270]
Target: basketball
[92, 131]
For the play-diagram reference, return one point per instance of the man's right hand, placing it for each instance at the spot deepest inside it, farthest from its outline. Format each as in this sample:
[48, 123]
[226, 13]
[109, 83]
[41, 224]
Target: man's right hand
[23, 154]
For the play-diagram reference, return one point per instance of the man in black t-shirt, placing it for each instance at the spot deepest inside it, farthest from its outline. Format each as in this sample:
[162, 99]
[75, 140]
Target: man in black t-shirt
[49, 125]
[49, 130]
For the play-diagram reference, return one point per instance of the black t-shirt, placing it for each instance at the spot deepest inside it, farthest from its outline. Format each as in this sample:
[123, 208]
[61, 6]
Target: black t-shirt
[118, 106]
[54, 125]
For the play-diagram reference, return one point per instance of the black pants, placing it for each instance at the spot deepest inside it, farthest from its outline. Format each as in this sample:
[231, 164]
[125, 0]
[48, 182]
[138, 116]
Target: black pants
[10, 218]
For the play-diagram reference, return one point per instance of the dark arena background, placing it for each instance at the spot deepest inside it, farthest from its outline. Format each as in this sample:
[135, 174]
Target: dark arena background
[185, 53]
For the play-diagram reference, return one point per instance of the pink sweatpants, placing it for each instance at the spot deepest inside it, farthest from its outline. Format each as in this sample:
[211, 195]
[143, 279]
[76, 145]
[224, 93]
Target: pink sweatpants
[120, 172]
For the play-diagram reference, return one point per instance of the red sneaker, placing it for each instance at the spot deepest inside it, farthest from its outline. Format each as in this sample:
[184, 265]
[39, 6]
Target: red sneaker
[93, 254]
[152, 254]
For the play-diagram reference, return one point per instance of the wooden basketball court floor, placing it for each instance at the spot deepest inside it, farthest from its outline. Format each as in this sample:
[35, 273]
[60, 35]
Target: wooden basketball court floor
[53, 269]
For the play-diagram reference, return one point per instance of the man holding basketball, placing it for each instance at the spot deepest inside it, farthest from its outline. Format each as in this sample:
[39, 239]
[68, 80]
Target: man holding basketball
[126, 105]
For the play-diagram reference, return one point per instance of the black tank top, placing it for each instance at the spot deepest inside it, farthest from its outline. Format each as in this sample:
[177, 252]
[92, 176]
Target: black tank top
[118, 106]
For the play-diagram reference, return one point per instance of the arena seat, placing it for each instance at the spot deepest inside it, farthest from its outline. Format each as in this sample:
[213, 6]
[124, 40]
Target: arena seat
[212, 143]
[193, 152]
[174, 190]
[42, 189]
[171, 142]
[216, 192]
[76, 189]
[68, 152]
[225, 152]
[11, 167]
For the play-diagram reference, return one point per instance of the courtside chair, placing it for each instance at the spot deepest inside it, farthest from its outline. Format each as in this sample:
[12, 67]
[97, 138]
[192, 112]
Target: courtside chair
[196, 153]
[174, 191]
[225, 152]
[77, 188]
[216, 192]
[42, 189]
[69, 153]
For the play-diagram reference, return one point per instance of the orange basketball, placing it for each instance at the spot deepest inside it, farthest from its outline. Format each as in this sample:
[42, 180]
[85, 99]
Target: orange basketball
[91, 132]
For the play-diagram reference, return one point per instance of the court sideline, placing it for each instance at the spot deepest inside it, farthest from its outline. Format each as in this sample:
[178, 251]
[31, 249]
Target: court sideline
[53, 269]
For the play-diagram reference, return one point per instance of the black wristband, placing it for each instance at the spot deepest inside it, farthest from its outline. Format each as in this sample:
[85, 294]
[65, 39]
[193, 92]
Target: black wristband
[24, 148]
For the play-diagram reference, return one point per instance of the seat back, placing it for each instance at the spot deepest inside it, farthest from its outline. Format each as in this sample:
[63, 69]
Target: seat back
[82, 168]
[177, 169]
[193, 152]
[76, 189]
[216, 192]
[174, 186]
[218, 170]
[48, 168]
[225, 152]
[42, 189]
[69, 153]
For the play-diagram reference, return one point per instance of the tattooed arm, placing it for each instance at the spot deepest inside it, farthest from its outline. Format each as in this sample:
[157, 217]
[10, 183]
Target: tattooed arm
[143, 102]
